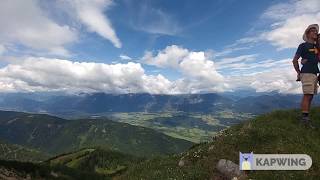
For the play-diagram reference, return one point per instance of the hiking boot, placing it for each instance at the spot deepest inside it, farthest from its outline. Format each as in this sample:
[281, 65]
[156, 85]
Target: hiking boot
[310, 125]
[306, 121]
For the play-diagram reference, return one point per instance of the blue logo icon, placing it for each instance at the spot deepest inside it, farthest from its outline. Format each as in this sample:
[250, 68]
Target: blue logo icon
[245, 161]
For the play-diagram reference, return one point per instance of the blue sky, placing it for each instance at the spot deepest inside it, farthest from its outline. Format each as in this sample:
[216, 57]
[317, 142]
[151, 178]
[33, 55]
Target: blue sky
[193, 25]
[151, 46]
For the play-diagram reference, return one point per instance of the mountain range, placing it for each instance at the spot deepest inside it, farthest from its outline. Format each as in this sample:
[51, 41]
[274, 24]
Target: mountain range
[53, 135]
[63, 105]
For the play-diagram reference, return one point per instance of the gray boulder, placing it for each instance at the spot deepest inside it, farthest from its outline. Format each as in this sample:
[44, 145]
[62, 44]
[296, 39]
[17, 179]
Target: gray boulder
[230, 169]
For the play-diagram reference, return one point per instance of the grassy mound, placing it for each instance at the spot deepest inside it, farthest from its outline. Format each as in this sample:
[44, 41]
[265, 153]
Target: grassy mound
[276, 132]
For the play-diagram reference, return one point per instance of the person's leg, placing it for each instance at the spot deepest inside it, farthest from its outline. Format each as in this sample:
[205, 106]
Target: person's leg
[310, 101]
[306, 102]
[309, 87]
[305, 106]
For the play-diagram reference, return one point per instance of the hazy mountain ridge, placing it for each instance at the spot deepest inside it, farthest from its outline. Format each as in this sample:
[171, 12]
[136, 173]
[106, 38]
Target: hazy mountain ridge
[86, 104]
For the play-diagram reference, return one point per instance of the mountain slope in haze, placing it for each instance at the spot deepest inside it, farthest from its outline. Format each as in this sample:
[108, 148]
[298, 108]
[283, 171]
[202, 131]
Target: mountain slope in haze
[19, 153]
[68, 106]
[269, 102]
[278, 132]
[54, 135]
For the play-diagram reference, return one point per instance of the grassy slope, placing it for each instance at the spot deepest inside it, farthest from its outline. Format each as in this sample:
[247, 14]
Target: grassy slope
[101, 161]
[90, 163]
[20, 153]
[276, 132]
[26, 170]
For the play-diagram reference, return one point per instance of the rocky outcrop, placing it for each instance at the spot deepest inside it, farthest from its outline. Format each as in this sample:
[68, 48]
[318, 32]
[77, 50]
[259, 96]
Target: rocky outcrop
[230, 170]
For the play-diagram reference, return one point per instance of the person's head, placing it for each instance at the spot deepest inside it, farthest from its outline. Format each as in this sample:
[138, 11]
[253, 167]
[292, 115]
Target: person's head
[311, 33]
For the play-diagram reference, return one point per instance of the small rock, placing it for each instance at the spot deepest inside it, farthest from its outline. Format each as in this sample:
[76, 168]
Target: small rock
[230, 169]
[54, 174]
[181, 162]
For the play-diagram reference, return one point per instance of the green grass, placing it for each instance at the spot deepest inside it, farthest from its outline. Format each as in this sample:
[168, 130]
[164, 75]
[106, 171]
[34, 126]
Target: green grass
[182, 131]
[101, 161]
[27, 170]
[19, 153]
[276, 132]
[55, 136]
[70, 159]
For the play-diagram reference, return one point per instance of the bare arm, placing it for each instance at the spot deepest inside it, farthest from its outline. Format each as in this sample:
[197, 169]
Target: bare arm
[295, 63]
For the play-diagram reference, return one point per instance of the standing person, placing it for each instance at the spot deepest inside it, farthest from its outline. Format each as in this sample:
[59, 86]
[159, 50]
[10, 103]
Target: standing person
[303, 61]
[309, 70]
[318, 48]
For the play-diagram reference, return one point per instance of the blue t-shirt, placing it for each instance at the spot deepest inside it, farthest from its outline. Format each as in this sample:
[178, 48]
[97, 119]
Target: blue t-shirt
[308, 51]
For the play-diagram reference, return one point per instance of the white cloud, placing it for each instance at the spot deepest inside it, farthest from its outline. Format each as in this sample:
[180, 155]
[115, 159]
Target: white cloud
[198, 74]
[40, 29]
[231, 62]
[125, 57]
[274, 75]
[195, 66]
[43, 74]
[171, 56]
[2, 49]
[289, 21]
[24, 23]
[201, 74]
[145, 17]
[91, 14]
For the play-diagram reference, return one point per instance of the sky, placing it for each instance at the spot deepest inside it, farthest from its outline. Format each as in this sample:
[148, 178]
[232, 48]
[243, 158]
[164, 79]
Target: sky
[153, 46]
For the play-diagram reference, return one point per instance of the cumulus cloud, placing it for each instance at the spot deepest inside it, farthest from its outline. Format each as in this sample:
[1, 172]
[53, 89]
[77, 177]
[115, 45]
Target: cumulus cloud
[91, 14]
[195, 66]
[43, 74]
[289, 21]
[24, 23]
[198, 74]
[171, 56]
[202, 74]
